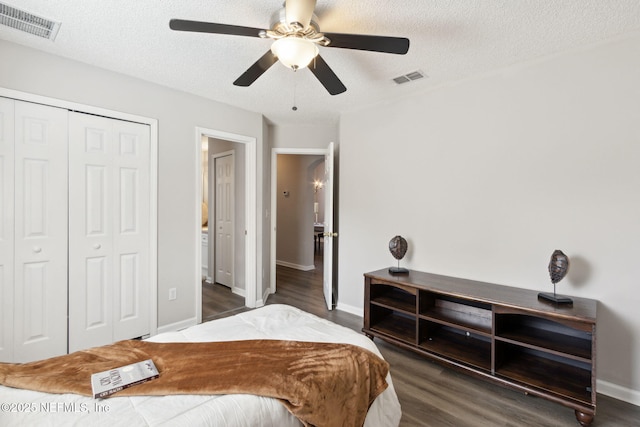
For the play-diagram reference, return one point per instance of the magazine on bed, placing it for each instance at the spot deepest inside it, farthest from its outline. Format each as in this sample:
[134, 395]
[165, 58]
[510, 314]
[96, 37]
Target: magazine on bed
[108, 382]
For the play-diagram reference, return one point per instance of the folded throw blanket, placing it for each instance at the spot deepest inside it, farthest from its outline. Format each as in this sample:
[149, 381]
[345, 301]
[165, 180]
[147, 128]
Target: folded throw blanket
[322, 384]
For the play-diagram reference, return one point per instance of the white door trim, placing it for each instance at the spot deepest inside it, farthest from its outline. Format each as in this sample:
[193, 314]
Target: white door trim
[274, 203]
[153, 176]
[251, 213]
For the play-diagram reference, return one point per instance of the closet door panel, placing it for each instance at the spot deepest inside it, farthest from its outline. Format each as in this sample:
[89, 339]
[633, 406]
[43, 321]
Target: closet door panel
[95, 304]
[90, 232]
[132, 230]
[97, 294]
[6, 229]
[40, 247]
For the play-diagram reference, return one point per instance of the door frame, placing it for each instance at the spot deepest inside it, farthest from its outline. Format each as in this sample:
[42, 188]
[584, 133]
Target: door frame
[152, 273]
[250, 212]
[274, 202]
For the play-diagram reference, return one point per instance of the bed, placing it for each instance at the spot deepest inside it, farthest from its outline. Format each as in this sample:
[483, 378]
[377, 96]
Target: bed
[271, 322]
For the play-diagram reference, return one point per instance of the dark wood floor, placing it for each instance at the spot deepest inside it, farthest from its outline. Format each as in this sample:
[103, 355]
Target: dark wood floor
[434, 395]
[219, 301]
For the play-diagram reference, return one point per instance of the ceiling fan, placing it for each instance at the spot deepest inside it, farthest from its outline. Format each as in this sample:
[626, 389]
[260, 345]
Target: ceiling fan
[297, 36]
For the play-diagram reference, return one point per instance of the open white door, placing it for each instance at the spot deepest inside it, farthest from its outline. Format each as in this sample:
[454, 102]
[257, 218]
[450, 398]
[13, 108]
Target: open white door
[329, 234]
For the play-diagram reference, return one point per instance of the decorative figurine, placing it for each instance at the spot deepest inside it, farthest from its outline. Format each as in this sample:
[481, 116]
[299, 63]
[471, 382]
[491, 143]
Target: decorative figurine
[558, 267]
[398, 248]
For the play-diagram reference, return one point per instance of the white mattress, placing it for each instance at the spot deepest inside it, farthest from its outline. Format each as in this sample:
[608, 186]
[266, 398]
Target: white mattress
[26, 408]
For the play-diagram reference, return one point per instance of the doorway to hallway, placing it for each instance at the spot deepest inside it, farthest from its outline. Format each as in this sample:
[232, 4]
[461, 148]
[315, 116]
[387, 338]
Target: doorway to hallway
[244, 252]
[302, 214]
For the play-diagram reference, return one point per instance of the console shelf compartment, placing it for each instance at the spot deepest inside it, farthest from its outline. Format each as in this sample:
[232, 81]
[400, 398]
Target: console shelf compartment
[394, 298]
[394, 324]
[454, 344]
[548, 375]
[456, 312]
[543, 334]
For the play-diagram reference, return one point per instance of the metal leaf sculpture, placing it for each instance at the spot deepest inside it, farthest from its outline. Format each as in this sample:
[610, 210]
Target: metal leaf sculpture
[398, 248]
[558, 266]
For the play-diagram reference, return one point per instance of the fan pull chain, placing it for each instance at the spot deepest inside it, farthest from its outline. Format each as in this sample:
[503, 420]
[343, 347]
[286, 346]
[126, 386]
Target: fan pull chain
[295, 72]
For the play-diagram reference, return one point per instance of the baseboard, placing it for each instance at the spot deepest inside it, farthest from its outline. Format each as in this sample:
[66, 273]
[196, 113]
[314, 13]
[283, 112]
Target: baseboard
[618, 392]
[296, 266]
[350, 309]
[177, 326]
[238, 291]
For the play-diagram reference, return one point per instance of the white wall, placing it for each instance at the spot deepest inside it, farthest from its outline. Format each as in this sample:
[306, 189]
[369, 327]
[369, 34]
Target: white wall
[485, 178]
[303, 136]
[295, 244]
[319, 194]
[178, 114]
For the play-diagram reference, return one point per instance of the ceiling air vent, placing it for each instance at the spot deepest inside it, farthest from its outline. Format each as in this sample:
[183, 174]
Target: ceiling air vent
[406, 78]
[28, 22]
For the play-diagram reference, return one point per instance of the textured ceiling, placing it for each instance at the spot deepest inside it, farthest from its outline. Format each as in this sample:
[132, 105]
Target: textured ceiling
[450, 41]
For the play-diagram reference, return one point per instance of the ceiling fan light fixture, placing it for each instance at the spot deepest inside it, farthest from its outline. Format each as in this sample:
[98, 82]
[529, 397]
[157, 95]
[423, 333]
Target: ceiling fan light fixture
[294, 52]
[296, 36]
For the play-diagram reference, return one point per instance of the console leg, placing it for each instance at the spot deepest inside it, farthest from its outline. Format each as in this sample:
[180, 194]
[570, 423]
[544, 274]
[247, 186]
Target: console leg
[584, 419]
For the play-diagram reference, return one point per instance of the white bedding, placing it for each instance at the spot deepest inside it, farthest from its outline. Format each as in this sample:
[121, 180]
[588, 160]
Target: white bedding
[30, 408]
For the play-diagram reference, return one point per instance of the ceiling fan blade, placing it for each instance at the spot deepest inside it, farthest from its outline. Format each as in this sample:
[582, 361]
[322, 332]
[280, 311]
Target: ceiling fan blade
[299, 11]
[398, 45]
[327, 77]
[210, 27]
[256, 70]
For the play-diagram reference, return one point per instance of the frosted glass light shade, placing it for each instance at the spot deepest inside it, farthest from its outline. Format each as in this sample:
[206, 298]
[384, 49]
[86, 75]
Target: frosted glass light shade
[294, 52]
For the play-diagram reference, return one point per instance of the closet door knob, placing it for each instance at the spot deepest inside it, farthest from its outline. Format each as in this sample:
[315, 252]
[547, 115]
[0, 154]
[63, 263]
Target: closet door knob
[97, 246]
[37, 249]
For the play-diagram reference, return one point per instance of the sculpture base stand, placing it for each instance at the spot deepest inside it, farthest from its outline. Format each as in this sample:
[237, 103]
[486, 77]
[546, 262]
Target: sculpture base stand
[555, 298]
[398, 270]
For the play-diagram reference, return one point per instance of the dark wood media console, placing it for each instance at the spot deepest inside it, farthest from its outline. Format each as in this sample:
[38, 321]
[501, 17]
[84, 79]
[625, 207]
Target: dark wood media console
[500, 333]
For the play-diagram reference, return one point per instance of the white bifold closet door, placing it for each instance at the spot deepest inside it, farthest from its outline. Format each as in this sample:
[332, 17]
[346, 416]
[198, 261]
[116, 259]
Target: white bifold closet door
[33, 231]
[40, 231]
[108, 230]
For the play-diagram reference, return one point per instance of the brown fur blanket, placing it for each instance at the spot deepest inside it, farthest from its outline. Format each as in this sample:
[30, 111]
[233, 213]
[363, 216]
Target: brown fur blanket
[322, 384]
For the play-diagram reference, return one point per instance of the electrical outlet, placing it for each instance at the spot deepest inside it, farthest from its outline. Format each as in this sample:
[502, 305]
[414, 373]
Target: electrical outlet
[172, 294]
